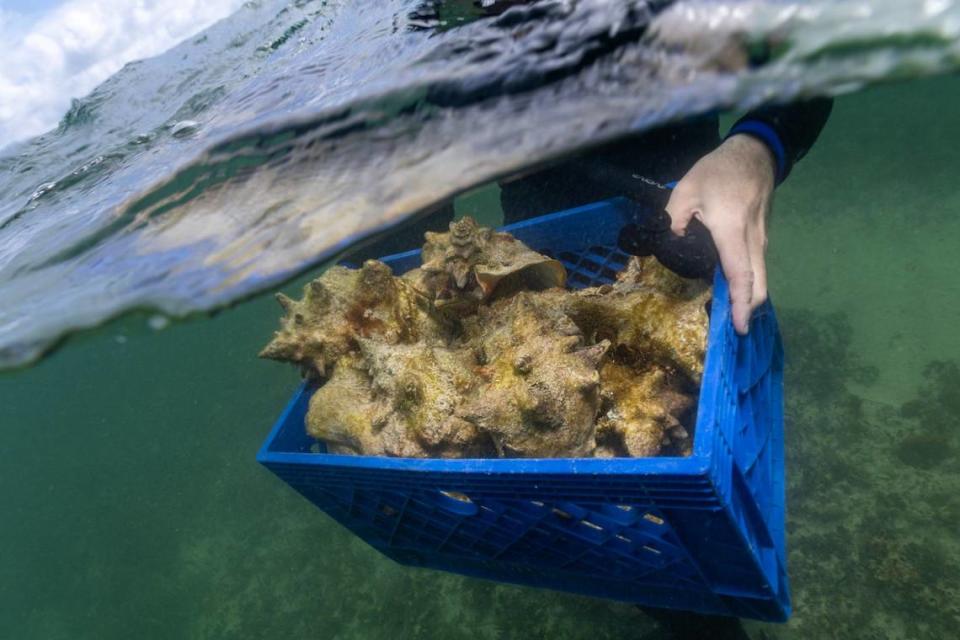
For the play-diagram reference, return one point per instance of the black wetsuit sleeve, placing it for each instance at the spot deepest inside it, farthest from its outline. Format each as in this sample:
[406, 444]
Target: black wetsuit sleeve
[789, 130]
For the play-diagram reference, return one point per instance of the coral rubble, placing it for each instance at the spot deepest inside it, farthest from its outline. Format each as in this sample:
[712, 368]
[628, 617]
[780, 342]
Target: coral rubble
[480, 352]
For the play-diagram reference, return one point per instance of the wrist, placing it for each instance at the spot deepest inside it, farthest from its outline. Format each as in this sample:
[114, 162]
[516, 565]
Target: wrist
[766, 135]
[756, 155]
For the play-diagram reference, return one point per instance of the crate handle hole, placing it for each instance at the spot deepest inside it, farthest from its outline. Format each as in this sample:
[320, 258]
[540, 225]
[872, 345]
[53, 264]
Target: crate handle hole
[456, 502]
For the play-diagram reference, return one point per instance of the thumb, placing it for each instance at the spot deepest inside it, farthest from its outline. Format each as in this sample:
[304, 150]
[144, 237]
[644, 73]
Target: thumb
[680, 219]
[681, 211]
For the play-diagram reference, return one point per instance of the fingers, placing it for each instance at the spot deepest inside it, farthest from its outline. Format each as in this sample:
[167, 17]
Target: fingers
[757, 241]
[681, 210]
[735, 254]
[739, 232]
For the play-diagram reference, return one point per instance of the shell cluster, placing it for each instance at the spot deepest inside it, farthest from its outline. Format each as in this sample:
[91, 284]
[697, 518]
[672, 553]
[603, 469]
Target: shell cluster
[481, 352]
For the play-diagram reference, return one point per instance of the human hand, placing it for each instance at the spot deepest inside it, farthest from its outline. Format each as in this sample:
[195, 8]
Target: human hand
[730, 190]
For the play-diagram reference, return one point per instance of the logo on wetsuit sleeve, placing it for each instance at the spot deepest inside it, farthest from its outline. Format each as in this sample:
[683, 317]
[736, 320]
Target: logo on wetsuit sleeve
[649, 181]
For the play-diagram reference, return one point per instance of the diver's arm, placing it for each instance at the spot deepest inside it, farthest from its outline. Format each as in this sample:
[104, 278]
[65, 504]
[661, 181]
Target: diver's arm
[788, 130]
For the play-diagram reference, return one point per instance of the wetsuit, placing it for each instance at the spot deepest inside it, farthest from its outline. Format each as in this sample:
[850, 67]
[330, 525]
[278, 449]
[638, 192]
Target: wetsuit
[663, 155]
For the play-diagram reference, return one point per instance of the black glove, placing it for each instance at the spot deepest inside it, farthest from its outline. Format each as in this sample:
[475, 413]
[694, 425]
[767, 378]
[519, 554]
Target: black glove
[692, 255]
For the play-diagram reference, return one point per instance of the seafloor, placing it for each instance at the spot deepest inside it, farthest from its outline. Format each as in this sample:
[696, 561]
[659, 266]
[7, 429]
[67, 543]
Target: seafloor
[133, 507]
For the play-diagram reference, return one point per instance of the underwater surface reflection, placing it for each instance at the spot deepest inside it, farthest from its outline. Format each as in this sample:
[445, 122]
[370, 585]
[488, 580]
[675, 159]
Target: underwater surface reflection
[266, 144]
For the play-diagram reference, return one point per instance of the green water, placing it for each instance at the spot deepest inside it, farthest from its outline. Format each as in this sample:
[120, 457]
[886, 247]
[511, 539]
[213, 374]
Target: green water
[133, 507]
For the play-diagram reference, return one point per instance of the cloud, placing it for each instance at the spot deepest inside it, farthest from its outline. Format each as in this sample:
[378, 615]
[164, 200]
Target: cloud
[65, 53]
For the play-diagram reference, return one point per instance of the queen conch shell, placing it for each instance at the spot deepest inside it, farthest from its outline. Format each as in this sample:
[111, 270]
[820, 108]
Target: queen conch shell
[641, 412]
[397, 400]
[541, 388]
[467, 265]
[649, 311]
[345, 305]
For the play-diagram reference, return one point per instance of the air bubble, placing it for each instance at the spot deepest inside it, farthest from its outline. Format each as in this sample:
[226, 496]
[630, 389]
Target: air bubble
[158, 322]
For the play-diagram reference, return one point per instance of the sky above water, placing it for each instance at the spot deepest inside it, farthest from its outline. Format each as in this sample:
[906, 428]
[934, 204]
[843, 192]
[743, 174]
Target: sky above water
[57, 50]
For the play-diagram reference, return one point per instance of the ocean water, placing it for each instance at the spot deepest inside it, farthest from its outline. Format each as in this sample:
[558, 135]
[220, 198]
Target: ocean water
[133, 506]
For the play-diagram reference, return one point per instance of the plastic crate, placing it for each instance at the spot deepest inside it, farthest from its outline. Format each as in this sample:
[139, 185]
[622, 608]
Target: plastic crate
[702, 533]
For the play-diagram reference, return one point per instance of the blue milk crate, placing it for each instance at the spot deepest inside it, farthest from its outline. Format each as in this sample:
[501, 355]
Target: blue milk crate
[702, 533]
